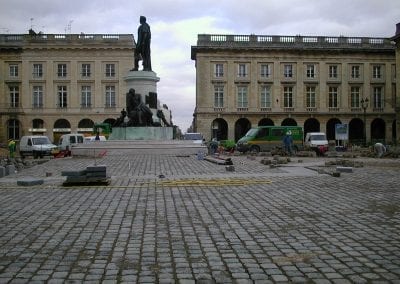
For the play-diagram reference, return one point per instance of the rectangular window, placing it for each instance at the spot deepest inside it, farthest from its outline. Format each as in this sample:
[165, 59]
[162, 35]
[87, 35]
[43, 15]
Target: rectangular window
[62, 96]
[37, 70]
[265, 97]
[14, 96]
[333, 97]
[288, 97]
[242, 72]
[86, 96]
[219, 70]
[85, 70]
[110, 70]
[355, 97]
[218, 96]
[376, 72]
[355, 72]
[310, 71]
[333, 71]
[242, 97]
[13, 70]
[62, 70]
[378, 97]
[393, 76]
[288, 71]
[110, 96]
[310, 96]
[37, 100]
[265, 71]
[13, 129]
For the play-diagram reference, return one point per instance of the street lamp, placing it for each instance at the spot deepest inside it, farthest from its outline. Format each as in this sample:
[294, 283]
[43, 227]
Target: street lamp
[364, 105]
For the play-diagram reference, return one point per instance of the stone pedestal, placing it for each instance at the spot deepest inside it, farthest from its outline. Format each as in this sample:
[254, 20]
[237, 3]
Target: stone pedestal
[142, 133]
[143, 82]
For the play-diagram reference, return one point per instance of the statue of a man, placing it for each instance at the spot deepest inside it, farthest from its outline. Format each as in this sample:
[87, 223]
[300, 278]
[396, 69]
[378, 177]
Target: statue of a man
[142, 51]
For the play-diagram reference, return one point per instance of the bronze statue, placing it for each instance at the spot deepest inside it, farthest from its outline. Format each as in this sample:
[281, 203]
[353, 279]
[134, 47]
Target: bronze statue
[120, 120]
[160, 115]
[142, 51]
[138, 113]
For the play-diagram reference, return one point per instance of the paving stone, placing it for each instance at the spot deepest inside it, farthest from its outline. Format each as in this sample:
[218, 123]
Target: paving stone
[29, 181]
[279, 278]
[96, 174]
[344, 169]
[286, 224]
[10, 170]
[98, 168]
[73, 173]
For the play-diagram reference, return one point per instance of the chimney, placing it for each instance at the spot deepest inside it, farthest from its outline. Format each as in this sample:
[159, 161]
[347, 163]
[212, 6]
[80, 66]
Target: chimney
[397, 35]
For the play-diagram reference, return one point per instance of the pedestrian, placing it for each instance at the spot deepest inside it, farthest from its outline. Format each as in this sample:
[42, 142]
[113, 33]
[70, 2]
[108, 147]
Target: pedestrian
[11, 148]
[213, 146]
[97, 138]
[379, 149]
[288, 143]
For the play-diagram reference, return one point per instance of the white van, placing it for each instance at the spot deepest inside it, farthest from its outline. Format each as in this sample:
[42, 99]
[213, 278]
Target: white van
[316, 141]
[67, 141]
[197, 138]
[37, 146]
[89, 139]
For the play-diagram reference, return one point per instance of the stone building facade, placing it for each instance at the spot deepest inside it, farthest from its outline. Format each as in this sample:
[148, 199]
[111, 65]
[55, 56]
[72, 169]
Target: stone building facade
[53, 84]
[396, 39]
[244, 81]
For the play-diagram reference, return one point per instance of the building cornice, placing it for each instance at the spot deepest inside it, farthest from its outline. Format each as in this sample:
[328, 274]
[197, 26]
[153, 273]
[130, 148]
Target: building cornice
[66, 41]
[206, 42]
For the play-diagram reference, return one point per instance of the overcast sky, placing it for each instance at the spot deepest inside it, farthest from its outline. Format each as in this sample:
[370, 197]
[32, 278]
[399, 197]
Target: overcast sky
[175, 25]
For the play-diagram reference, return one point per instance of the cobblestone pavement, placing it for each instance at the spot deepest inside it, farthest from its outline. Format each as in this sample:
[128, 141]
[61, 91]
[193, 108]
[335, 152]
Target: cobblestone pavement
[176, 219]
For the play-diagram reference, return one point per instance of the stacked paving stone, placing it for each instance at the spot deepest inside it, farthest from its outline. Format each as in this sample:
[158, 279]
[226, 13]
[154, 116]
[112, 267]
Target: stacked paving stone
[91, 175]
[219, 160]
[7, 170]
[276, 161]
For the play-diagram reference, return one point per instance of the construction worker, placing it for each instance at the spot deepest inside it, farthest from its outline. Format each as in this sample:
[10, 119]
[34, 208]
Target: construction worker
[379, 149]
[11, 148]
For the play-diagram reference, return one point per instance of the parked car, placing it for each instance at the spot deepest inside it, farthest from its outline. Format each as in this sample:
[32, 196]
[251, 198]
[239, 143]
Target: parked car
[36, 146]
[316, 141]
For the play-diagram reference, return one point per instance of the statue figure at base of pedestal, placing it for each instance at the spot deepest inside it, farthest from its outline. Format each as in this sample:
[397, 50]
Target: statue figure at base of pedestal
[120, 122]
[138, 112]
[142, 51]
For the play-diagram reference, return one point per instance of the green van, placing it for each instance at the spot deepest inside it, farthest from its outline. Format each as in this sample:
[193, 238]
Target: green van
[266, 138]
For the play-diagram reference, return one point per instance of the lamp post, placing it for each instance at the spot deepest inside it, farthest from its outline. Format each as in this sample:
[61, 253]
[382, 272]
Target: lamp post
[364, 105]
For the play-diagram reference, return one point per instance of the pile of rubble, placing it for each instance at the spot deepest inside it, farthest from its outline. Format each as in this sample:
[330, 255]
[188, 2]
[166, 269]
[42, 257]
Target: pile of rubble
[10, 166]
[276, 161]
[344, 163]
